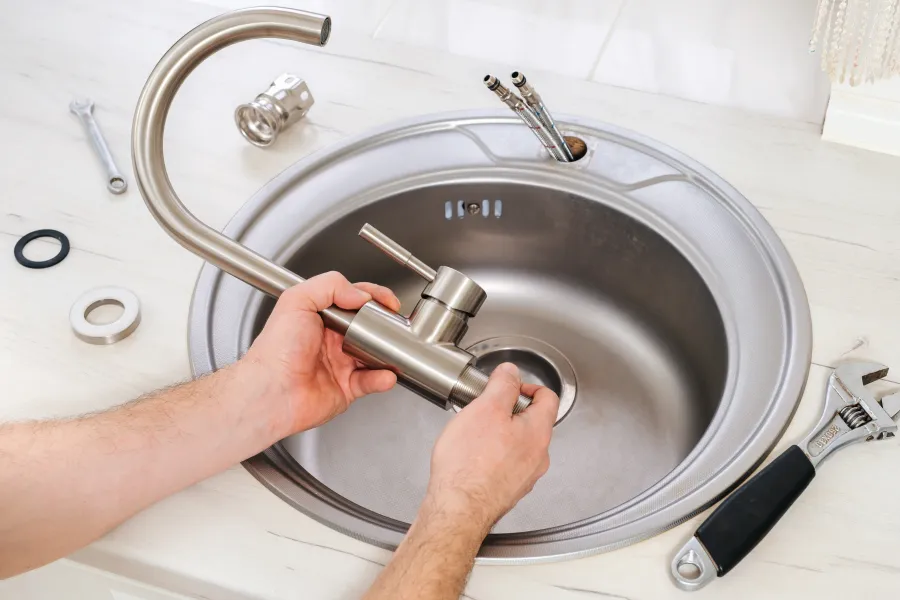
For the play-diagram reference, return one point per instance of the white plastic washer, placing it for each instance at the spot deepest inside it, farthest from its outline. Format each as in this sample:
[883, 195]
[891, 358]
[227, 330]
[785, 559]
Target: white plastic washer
[110, 333]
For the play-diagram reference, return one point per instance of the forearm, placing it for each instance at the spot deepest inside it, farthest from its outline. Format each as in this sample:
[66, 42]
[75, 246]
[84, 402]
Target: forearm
[64, 483]
[434, 560]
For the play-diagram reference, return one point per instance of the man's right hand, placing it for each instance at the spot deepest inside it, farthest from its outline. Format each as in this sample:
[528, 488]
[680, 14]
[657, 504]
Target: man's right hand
[484, 462]
[487, 459]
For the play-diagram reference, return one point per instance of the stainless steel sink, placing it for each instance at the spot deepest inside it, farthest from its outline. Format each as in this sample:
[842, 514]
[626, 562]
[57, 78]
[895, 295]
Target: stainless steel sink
[644, 289]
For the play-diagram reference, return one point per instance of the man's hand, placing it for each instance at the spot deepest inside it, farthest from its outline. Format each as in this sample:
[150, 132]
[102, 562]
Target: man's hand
[484, 462]
[487, 459]
[64, 483]
[301, 364]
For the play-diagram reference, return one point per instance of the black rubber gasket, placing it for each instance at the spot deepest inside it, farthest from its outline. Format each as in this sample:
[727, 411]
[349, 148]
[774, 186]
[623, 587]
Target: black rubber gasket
[42, 233]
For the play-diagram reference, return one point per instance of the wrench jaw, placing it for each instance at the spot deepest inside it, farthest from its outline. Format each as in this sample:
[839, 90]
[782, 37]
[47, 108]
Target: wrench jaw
[891, 405]
[82, 107]
[831, 432]
[851, 414]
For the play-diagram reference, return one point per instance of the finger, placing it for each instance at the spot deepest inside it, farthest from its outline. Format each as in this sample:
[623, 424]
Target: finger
[380, 294]
[530, 389]
[543, 407]
[503, 387]
[364, 382]
[319, 292]
[334, 347]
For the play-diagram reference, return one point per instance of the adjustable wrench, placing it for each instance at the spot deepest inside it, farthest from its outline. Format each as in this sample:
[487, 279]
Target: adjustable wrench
[84, 109]
[852, 414]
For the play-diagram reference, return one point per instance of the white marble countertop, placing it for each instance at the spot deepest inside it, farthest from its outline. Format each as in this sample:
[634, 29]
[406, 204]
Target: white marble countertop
[836, 209]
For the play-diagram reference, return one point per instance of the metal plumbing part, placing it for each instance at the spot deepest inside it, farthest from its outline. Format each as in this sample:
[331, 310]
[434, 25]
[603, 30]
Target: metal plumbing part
[422, 349]
[284, 103]
[107, 333]
[536, 104]
[517, 105]
[425, 346]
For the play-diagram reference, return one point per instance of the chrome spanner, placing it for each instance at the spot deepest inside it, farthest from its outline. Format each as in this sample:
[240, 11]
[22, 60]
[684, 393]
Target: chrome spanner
[851, 414]
[84, 109]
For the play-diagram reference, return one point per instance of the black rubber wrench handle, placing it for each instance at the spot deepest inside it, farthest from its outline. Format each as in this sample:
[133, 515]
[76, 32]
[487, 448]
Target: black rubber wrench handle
[743, 519]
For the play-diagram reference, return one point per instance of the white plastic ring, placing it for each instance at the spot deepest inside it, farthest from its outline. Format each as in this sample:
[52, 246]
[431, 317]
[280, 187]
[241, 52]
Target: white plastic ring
[109, 333]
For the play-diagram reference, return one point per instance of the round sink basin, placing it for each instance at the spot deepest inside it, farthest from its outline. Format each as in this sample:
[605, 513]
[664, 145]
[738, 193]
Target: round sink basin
[643, 289]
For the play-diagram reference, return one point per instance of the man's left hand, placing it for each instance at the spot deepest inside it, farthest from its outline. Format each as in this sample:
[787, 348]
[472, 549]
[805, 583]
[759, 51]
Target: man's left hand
[300, 362]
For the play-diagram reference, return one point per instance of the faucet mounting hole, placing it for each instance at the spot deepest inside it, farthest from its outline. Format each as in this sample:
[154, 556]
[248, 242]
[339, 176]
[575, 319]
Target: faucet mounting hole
[577, 146]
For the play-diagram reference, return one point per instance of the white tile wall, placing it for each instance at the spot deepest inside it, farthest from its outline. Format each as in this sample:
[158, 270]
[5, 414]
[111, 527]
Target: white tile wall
[747, 54]
[750, 54]
[357, 15]
[564, 35]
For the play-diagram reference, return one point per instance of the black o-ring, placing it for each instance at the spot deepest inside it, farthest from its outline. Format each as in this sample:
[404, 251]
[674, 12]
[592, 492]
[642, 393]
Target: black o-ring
[42, 233]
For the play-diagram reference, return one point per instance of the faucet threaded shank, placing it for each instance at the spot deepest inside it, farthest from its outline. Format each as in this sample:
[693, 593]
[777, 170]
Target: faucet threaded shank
[472, 383]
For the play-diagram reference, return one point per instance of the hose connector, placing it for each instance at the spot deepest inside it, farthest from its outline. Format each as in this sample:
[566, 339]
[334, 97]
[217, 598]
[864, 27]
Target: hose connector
[286, 101]
[518, 106]
[536, 104]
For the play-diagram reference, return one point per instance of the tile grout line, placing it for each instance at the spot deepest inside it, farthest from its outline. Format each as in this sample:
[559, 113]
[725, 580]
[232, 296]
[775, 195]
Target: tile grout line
[605, 43]
[384, 18]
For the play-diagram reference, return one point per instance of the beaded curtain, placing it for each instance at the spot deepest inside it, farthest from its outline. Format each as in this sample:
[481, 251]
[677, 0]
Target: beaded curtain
[858, 39]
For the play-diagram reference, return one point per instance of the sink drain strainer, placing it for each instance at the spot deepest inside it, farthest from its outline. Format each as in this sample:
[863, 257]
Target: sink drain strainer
[538, 363]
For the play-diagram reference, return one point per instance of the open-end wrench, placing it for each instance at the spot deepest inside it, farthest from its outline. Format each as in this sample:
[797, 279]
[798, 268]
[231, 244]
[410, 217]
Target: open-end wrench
[84, 109]
[852, 414]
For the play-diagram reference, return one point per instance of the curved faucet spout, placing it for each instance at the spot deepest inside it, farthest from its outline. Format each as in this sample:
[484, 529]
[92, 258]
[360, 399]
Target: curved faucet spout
[438, 371]
[149, 126]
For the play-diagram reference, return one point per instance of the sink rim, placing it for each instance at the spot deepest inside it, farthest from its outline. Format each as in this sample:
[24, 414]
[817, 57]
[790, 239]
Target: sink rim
[266, 466]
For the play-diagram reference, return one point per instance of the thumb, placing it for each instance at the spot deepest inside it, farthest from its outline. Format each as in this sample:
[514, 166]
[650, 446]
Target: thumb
[503, 387]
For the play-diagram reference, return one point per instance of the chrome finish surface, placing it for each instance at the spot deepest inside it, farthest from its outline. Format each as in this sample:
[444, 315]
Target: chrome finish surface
[517, 105]
[84, 110]
[536, 104]
[677, 307]
[398, 253]
[891, 405]
[851, 413]
[423, 349]
[456, 291]
[285, 102]
[149, 126]
[693, 567]
[418, 349]
[381, 338]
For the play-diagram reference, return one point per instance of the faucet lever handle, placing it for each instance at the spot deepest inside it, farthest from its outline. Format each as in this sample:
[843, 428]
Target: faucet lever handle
[396, 252]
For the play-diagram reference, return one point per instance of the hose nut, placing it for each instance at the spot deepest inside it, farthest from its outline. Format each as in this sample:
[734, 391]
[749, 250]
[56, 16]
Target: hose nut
[286, 101]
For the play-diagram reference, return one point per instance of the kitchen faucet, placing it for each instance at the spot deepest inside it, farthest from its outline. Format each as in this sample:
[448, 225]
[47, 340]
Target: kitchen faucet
[423, 349]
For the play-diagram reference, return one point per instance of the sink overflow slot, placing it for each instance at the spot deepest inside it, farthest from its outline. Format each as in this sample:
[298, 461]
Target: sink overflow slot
[472, 208]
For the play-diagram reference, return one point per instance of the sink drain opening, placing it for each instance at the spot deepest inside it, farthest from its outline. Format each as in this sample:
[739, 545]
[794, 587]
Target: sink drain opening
[538, 363]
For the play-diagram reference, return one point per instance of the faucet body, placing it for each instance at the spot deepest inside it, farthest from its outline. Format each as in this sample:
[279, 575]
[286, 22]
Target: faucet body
[422, 349]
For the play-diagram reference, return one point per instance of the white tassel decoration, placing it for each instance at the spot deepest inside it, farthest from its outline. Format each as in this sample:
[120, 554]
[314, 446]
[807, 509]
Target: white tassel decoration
[857, 39]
